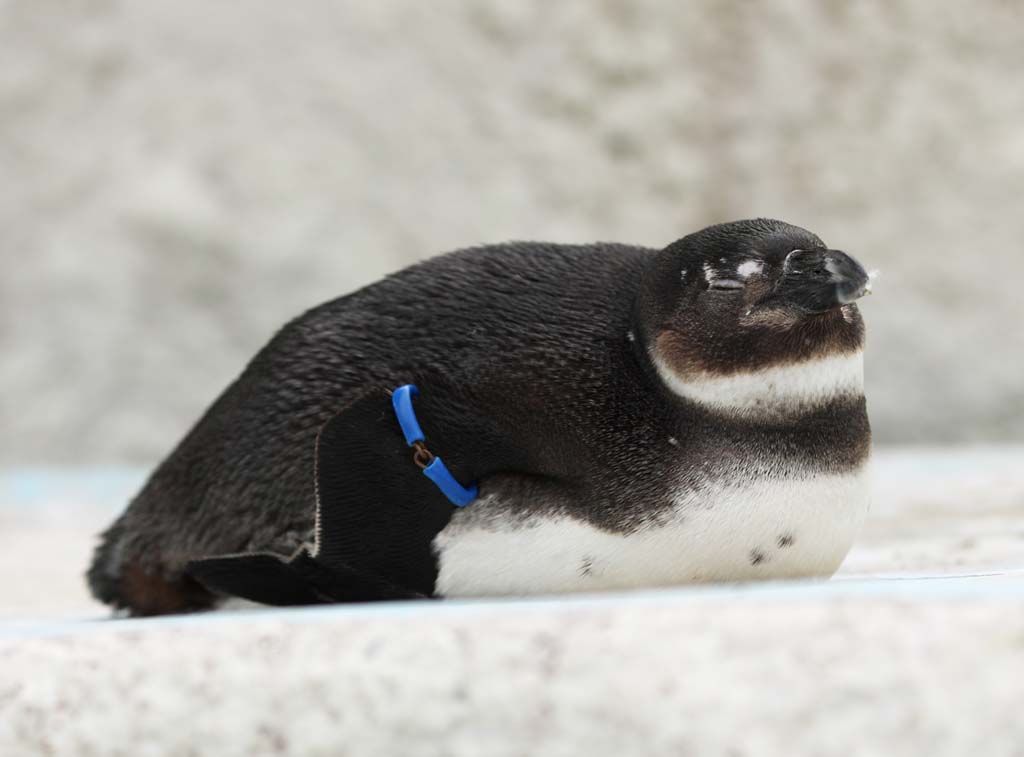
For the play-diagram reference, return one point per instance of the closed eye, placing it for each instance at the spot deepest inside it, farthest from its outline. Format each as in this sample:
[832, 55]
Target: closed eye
[725, 284]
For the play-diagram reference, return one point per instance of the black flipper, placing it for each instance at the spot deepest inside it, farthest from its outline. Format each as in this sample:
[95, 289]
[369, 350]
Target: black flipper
[261, 577]
[377, 514]
[375, 508]
[272, 580]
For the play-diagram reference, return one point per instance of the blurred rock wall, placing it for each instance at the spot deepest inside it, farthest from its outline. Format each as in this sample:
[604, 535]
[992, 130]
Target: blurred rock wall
[179, 178]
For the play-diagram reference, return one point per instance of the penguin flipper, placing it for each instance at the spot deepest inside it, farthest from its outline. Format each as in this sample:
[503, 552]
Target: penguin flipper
[375, 510]
[260, 577]
[376, 514]
[271, 580]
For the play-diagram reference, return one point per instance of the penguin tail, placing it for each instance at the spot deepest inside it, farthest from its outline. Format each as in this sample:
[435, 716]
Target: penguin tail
[102, 575]
[125, 584]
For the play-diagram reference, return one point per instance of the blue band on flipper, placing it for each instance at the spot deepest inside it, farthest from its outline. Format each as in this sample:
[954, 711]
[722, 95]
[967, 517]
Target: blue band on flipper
[436, 471]
[456, 493]
[401, 399]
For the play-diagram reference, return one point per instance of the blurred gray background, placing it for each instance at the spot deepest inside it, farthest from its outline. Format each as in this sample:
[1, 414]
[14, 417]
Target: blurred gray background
[180, 178]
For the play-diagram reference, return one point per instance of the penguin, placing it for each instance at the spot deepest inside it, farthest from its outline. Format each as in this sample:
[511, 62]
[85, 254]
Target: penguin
[631, 417]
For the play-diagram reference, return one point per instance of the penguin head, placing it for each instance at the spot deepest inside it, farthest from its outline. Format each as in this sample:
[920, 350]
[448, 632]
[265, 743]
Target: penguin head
[748, 296]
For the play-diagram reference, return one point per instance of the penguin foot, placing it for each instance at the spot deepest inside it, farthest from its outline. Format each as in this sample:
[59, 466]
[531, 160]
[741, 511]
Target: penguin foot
[144, 594]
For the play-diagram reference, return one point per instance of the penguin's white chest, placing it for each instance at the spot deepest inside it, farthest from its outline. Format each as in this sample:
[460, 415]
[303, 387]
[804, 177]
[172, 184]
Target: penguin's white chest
[772, 529]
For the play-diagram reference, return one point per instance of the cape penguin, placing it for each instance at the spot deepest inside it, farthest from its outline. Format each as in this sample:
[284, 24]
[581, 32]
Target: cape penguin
[634, 418]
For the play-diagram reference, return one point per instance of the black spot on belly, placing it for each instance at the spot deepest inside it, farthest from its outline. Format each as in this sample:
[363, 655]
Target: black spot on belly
[785, 540]
[587, 566]
[757, 557]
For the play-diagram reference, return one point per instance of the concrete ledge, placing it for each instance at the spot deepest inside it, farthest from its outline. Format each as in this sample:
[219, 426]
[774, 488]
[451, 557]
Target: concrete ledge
[915, 648]
[897, 667]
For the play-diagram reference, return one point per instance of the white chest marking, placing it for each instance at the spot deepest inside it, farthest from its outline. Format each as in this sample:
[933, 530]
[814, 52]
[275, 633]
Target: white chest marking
[780, 529]
[771, 391]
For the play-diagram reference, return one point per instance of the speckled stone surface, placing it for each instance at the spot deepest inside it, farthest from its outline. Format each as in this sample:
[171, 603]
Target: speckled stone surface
[667, 676]
[893, 657]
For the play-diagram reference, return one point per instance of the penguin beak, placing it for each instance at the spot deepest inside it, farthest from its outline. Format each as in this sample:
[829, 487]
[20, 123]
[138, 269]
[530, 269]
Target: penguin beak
[817, 281]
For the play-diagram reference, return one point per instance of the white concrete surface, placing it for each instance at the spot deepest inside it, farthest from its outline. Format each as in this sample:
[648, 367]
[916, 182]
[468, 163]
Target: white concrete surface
[674, 674]
[915, 648]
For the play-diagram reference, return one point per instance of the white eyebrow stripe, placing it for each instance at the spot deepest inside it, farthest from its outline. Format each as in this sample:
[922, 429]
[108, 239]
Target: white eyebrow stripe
[780, 390]
[749, 268]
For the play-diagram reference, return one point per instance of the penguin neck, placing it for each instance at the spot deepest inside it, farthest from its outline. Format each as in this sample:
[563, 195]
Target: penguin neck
[777, 392]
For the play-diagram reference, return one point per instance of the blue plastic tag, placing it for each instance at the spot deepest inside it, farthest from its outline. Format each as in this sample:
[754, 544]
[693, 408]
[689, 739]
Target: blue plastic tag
[436, 471]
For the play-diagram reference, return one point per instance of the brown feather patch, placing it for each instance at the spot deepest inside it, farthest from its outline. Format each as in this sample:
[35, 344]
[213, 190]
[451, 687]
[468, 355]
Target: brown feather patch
[145, 594]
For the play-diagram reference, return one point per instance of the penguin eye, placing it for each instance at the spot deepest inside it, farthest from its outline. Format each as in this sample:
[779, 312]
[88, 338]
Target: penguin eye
[725, 284]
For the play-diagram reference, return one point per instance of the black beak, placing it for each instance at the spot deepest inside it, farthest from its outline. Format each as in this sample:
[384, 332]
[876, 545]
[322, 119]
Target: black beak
[820, 280]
